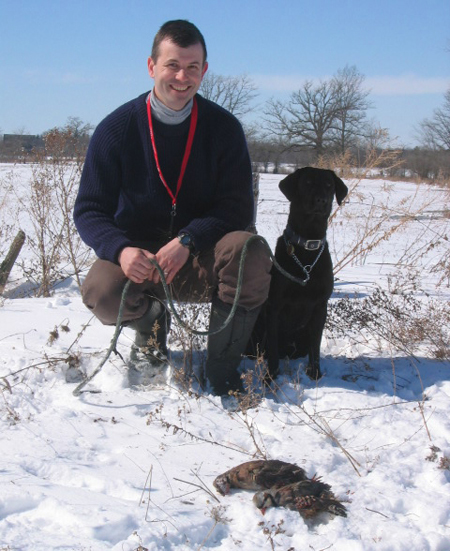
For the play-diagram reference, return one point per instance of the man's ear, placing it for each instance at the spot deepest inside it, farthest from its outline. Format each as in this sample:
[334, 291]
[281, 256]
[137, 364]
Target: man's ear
[205, 68]
[151, 67]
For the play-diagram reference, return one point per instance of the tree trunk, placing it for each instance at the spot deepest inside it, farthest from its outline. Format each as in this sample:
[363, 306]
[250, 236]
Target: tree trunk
[11, 257]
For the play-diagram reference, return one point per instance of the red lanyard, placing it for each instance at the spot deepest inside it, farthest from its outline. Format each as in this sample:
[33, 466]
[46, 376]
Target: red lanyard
[187, 152]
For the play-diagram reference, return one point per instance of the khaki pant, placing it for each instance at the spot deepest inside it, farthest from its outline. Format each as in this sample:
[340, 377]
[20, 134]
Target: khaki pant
[208, 274]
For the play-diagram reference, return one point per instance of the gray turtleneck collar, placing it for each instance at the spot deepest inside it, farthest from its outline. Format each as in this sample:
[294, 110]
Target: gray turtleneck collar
[166, 115]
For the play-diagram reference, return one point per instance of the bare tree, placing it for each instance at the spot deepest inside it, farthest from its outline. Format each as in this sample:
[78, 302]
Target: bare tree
[76, 135]
[77, 127]
[320, 116]
[352, 105]
[434, 133]
[306, 119]
[233, 93]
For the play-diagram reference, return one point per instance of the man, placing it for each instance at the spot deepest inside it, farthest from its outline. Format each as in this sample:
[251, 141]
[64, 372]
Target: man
[168, 177]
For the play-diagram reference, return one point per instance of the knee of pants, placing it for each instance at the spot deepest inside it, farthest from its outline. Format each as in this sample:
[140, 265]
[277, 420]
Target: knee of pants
[232, 245]
[102, 294]
[258, 255]
[257, 266]
[105, 305]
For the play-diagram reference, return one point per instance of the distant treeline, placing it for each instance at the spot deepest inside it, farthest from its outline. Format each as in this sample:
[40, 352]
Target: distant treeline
[267, 155]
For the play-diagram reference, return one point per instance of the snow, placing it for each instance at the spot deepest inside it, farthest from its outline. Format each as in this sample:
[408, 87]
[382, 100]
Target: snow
[129, 469]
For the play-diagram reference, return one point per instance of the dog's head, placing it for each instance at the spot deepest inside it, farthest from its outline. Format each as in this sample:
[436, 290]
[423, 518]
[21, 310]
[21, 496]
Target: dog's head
[314, 189]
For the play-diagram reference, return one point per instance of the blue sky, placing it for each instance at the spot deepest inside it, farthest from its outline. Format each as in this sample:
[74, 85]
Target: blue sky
[83, 58]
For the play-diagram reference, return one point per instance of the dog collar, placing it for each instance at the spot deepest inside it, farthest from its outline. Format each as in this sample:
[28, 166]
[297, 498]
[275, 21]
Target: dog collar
[308, 244]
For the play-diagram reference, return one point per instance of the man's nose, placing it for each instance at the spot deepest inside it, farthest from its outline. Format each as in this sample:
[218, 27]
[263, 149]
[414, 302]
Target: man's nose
[181, 74]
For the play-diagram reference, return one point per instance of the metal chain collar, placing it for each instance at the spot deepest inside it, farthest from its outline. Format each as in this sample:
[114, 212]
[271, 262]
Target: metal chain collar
[308, 268]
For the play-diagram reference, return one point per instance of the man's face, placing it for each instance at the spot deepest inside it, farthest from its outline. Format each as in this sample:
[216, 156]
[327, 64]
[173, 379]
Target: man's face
[177, 73]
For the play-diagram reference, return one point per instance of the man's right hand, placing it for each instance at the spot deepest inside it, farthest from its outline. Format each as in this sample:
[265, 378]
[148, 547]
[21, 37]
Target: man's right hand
[135, 264]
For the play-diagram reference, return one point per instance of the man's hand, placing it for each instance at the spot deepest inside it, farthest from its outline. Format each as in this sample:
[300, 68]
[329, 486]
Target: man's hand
[172, 257]
[135, 264]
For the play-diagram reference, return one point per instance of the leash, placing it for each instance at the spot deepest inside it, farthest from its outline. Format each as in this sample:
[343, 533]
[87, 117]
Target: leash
[112, 347]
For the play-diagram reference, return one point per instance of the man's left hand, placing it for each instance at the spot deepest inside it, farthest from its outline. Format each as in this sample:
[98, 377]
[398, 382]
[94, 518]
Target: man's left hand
[172, 257]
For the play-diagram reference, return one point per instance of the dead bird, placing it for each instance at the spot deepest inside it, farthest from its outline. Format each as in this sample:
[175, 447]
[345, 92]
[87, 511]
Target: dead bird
[308, 497]
[259, 475]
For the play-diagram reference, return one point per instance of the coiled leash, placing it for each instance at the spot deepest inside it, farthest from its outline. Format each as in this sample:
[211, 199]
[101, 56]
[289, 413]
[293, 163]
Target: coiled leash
[112, 347]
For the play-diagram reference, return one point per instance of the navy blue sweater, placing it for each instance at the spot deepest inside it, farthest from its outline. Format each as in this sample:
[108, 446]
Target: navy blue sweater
[122, 201]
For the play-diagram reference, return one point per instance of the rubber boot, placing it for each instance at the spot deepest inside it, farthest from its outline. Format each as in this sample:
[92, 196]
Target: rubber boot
[225, 349]
[151, 329]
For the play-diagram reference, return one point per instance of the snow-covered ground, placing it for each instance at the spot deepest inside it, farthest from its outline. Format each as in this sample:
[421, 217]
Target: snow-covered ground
[128, 469]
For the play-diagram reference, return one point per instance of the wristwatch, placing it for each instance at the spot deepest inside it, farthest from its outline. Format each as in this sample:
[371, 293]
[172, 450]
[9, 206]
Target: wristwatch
[186, 240]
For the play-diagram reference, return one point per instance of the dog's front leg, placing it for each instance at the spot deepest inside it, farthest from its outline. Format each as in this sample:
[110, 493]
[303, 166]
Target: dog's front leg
[272, 341]
[315, 330]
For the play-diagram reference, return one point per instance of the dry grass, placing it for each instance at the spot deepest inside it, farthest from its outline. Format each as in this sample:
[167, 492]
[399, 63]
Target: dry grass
[392, 314]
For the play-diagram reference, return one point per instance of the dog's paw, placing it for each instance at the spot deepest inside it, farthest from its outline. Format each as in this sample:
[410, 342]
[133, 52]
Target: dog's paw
[313, 372]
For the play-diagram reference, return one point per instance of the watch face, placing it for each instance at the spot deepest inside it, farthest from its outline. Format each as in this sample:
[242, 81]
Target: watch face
[185, 240]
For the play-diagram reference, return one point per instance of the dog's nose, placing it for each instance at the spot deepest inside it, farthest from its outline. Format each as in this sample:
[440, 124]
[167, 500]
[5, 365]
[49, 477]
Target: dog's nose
[321, 202]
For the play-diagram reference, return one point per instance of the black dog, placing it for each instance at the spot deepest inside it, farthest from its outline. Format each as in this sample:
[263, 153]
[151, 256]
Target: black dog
[292, 320]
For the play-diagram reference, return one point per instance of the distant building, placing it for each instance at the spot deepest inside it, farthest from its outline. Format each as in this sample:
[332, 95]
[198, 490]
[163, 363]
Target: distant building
[23, 142]
[16, 146]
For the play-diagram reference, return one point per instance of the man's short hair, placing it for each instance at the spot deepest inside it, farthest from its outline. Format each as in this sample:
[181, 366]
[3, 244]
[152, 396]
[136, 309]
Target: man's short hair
[181, 32]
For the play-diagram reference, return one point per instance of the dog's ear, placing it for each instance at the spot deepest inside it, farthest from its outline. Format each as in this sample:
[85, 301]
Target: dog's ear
[341, 189]
[288, 185]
